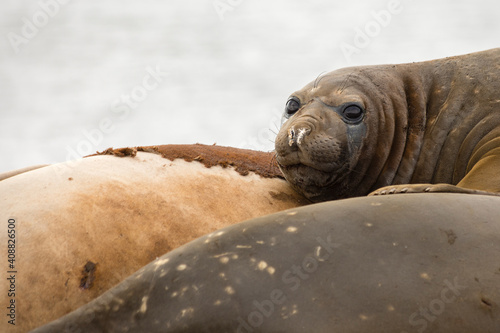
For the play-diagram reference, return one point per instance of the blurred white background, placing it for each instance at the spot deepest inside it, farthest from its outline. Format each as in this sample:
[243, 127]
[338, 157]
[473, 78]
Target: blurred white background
[224, 68]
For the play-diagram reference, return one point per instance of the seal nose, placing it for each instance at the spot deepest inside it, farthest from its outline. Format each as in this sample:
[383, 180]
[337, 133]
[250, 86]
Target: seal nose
[296, 135]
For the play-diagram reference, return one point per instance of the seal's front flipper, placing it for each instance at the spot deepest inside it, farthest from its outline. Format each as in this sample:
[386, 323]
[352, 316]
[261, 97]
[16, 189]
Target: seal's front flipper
[484, 165]
[423, 188]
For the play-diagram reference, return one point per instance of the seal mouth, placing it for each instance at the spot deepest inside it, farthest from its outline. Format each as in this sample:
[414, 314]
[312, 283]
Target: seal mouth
[306, 177]
[314, 184]
[299, 158]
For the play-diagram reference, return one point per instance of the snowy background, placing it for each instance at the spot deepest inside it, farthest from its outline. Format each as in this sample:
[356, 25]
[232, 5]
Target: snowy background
[79, 76]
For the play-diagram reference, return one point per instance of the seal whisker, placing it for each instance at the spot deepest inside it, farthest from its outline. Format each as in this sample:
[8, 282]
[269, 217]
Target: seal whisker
[274, 162]
[277, 127]
[316, 82]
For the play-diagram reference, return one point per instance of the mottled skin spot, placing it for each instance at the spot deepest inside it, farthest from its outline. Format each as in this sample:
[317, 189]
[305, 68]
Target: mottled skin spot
[89, 275]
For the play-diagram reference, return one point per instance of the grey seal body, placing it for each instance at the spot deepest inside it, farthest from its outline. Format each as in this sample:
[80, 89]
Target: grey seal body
[359, 129]
[410, 263]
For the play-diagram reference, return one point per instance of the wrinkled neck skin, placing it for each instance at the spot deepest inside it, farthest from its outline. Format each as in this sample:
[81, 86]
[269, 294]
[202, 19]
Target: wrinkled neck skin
[423, 123]
[449, 109]
[395, 123]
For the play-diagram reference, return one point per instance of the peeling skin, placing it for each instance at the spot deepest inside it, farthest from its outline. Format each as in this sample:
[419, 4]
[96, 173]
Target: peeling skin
[242, 160]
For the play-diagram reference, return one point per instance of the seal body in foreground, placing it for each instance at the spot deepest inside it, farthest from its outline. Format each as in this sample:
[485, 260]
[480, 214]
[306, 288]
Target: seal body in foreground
[410, 263]
[359, 129]
[83, 226]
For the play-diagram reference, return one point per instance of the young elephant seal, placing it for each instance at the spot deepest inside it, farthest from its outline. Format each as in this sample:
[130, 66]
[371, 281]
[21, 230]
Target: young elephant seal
[432, 126]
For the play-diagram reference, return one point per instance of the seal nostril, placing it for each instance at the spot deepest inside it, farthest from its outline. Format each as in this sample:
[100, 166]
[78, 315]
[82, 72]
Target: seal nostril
[302, 132]
[296, 136]
[291, 137]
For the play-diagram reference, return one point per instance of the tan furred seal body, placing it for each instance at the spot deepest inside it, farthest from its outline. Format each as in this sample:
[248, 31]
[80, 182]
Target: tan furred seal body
[82, 227]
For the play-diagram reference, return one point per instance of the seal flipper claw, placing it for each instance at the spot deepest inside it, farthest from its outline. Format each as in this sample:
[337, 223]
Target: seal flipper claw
[427, 188]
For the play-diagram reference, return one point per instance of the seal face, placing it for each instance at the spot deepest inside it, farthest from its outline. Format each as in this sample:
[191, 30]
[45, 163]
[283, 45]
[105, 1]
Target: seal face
[359, 129]
[322, 137]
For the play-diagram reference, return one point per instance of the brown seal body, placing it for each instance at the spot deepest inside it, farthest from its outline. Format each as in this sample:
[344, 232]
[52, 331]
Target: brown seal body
[356, 130]
[81, 227]
[403, 263]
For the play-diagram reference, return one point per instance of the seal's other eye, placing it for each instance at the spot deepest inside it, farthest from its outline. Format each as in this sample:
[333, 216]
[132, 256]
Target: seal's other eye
[292, 106]
[353, 113]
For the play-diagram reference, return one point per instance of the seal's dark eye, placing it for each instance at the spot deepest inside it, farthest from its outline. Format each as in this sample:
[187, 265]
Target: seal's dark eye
[353, 113]
[292, 106]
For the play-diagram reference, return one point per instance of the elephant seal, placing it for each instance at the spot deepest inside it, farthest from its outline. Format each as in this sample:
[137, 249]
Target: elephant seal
[83, 226]
[410, 263]
[432, 126]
